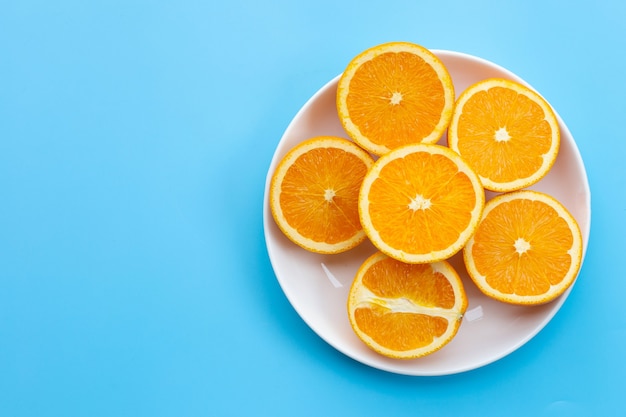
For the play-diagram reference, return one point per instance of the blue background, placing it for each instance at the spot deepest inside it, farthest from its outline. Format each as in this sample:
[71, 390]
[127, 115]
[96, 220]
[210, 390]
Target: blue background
[135, 137]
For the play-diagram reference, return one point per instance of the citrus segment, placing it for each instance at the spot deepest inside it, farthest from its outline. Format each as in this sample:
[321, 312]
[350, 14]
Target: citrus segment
[506, 132]
[405, 310]
[395, 94]
[526, 250]
[420, 203]
[314, 194]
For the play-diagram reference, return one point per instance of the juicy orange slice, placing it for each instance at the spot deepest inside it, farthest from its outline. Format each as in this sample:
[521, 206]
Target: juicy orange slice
[526, 250]
[506, 132]
[314, 194]
[395, 94]
[420, 203]
[404, 310]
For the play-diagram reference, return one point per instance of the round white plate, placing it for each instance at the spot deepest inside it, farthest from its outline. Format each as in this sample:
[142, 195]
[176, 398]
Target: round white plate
[317, 285]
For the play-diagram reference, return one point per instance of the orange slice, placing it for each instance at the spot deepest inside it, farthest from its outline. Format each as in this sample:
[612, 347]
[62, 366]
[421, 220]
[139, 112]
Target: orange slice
[526, 250]
[314, 194]
[404, 310]
[506, 132]
[395, 94]
[420, 203]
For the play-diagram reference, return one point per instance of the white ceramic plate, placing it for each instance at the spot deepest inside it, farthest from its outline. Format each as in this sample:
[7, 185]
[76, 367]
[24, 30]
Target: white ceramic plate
[317, 285]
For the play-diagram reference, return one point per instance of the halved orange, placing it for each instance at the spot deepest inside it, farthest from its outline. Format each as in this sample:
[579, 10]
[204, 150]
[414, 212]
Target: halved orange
[506, 132]
[314, 194]
[395, 94]
[405, 310]
[420, 203]
[526, 250]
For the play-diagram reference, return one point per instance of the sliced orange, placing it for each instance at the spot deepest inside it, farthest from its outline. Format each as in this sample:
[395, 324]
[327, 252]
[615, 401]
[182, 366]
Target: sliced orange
[420, 203]
[507, 133]
[404, 310]
[395, 94]
[526, 250]
[314, 194]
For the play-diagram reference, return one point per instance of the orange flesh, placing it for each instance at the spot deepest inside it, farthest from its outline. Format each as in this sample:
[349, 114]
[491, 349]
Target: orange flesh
[433, 177]
[535, 270]
[524, 120]
[417, 283]
[375, 105]
[306, 189]
[399, 331]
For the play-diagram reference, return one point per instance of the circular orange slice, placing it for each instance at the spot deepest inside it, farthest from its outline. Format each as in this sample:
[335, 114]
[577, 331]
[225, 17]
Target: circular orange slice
[395, 94]
[314, 194]
[420, 203]
[404, 310]
[526, 250]
[506, 132]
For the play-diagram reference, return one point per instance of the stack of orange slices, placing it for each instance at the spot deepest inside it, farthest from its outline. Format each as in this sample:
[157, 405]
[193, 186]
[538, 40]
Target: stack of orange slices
[420, 202]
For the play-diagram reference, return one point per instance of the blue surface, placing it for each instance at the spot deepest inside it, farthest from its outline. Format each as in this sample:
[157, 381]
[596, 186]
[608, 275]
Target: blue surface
[134, 141]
